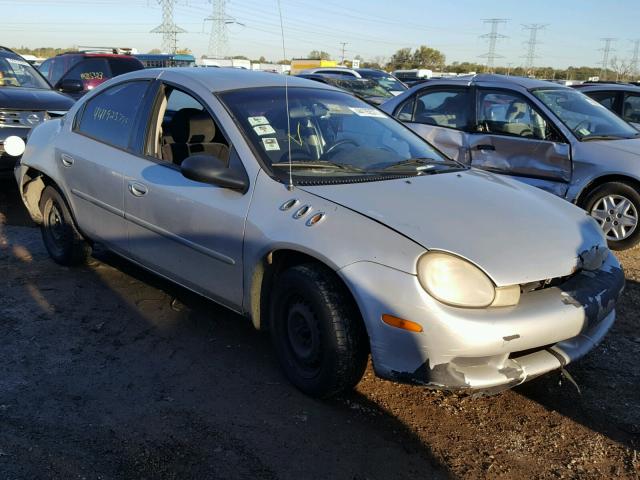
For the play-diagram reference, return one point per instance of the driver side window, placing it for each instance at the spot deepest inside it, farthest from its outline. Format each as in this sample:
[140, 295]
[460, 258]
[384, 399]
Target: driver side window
[510, 114]
[184, 127]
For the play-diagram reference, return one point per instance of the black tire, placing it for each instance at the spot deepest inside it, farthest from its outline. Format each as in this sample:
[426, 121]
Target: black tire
[59, 233]
[317, 331]
[618, 190]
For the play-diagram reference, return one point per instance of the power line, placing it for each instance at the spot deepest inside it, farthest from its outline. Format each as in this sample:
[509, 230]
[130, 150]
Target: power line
[531, 44]
[606, 50]
[493, 37]
[168, 28]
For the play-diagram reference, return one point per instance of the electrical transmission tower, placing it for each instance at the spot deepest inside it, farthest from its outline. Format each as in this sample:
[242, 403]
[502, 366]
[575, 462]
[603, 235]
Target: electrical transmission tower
[218, 41]
[635, 57]
[531, 44]
[606, 50]
[168, 28]
[493, 37]
[344, 44]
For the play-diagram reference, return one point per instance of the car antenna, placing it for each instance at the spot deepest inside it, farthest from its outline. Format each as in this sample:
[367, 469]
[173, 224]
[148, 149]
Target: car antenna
[286, 99]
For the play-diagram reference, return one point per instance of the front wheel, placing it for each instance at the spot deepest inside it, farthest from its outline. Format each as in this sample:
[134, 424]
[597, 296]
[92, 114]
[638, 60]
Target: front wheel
[616, 206]
[317, 331]
[59, 233]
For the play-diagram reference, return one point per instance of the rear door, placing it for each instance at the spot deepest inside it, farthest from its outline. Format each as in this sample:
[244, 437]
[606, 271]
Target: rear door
[94, 155]
[441, 115]
[511, 136]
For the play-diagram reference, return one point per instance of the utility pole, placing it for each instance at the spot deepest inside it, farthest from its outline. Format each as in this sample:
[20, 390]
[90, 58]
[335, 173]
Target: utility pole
[635, 57]
[493, 37]
[344, 44]
[168, 28]
[606, 50]
[509, 68]
[531, 44]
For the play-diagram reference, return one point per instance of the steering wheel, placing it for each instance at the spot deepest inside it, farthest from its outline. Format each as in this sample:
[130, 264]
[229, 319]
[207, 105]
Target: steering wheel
[340, 143]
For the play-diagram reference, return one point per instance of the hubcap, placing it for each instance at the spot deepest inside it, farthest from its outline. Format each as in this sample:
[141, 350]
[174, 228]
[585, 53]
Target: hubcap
[56, 225]
[303, 335]
[617, 216]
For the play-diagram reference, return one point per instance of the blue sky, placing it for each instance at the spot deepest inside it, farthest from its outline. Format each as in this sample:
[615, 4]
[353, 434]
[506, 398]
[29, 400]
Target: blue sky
[372, 28]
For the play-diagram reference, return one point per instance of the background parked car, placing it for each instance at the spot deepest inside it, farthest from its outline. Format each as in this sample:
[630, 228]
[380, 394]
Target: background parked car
[75, 73]
[367, 90]
[385, 80]
[26, 100]
[541, 133]
[621, 98]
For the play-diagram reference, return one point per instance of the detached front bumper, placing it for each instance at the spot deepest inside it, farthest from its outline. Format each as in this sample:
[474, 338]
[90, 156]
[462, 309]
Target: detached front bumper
[483, 349]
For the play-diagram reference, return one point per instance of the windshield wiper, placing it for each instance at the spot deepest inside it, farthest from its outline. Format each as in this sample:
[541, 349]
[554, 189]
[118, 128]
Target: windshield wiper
[603, 137]
[317, 164]
[421, 164]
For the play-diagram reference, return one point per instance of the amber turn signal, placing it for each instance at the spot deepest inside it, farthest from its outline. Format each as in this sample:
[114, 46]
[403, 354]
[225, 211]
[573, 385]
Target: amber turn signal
[401, 323]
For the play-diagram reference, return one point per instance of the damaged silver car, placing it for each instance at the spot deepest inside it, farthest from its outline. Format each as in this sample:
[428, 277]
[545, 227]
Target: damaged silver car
[327, 223]
[540, 133]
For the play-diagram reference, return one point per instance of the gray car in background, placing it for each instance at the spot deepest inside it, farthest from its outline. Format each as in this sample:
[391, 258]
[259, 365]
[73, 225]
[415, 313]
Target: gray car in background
[327, 223]
[541, 133]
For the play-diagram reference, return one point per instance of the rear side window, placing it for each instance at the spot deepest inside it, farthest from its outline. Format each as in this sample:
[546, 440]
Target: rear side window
[121, 66]
[109, 116]
[443, 108]
[631, 108]
[607, 99]
[91, 72]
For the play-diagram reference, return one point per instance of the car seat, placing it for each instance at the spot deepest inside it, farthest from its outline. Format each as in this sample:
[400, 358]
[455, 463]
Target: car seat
[193, 131]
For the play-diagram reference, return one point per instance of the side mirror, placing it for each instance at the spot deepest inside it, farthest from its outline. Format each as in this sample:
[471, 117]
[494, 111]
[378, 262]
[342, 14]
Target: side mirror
[70, 85]
[210, 169]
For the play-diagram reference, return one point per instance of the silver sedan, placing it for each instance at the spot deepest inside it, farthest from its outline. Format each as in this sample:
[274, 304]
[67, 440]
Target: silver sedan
[327, 223]
[540, 133]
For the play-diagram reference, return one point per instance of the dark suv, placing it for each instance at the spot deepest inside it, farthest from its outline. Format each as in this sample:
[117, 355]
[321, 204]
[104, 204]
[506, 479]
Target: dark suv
[75, 73]
[26, 100]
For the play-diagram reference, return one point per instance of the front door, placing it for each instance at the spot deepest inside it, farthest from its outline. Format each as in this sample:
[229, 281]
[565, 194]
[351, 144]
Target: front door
[188, 231]
[513, 138]
[93, 156]
[440, 115]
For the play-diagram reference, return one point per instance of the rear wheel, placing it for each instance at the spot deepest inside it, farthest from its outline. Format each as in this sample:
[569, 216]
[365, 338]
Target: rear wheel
[317, 331]
[59, 233]
[616, 207]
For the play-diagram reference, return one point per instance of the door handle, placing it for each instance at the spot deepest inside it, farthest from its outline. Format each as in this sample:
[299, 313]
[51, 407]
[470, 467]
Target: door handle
[67, 160]
[485, 147]
[137, 189]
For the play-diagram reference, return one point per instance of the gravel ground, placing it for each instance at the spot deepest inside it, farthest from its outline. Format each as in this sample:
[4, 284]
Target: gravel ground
[109, 372]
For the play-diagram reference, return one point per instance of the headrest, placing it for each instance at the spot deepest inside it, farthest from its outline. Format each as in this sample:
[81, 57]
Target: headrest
[191, 125]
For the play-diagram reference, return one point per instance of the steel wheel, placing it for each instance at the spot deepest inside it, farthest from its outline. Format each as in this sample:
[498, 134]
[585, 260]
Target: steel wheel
[617, 215]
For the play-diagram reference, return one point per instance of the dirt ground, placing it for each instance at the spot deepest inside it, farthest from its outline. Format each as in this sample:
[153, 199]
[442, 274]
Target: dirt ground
[109, 372]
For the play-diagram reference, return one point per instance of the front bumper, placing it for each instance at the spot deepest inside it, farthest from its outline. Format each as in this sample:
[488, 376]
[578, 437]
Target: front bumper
[482, 349]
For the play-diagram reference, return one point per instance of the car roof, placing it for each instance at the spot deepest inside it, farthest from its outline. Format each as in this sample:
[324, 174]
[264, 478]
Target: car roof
[228, 78]
[599, 87]
[98, 54]
[498, 80]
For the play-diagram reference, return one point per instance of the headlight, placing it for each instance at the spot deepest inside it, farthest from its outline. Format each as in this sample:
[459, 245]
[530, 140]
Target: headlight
[457, 282]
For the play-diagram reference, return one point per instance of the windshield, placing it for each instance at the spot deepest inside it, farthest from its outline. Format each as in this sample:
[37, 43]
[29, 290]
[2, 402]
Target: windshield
[386, 81]
[17, 72]
[586, 118]
[361, 87]
[334, 136]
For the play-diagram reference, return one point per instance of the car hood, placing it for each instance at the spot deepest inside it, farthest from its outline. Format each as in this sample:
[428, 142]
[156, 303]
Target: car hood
[19, 98]
[627, 147]
[514, 232]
